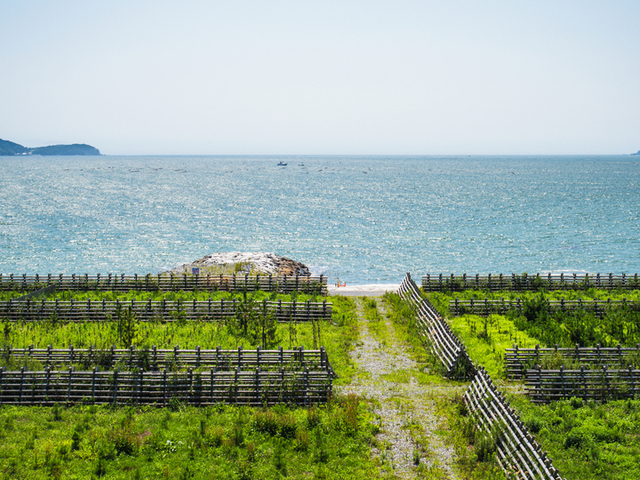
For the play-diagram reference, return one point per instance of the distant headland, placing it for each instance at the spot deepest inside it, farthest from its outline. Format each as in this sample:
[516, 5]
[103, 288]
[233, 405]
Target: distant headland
[8, 148]
[637, 153]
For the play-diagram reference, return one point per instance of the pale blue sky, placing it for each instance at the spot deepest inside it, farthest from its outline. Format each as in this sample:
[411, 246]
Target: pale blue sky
[324, 77]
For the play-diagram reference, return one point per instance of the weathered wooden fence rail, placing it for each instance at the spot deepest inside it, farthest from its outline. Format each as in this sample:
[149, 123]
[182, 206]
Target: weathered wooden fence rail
[518, 360]
[524, 282]
[602, 384]
[487, 307]
[255, 388]
[518, 453]
[176, 358]
[163, 310]
[166, 282]
[443, 342]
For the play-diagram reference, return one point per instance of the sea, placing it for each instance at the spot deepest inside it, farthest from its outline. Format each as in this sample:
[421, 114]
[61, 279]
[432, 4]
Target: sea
[362, 219]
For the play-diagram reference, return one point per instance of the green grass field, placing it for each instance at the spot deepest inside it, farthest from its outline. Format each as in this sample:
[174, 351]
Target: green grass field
[585, 440]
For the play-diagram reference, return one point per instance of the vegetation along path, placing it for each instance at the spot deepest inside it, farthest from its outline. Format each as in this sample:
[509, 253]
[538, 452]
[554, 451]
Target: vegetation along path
[411, 443]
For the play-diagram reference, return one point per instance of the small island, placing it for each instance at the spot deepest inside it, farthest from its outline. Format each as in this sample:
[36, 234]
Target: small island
[8, 148]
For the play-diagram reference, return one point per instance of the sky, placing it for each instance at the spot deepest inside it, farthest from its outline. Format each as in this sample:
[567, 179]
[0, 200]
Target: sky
[324, 77]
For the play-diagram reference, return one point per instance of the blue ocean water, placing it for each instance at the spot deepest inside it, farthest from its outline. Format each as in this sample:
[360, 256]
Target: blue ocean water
[364, 219]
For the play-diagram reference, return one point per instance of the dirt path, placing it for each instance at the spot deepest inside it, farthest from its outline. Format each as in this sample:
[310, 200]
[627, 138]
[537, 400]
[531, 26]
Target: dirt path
[409, 425]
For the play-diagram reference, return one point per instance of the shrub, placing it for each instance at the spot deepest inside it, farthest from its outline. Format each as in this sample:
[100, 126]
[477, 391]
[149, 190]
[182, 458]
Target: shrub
[265, 421]
[533, 424]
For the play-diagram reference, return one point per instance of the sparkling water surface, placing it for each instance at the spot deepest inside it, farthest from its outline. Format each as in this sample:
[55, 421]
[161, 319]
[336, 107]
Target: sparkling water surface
[364, 219]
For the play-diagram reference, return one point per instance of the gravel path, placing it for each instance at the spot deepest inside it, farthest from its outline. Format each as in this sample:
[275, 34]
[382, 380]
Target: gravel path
[399, 405]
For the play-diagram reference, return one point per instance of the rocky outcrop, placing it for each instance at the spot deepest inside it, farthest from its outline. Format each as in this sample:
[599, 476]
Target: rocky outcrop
[245, 262]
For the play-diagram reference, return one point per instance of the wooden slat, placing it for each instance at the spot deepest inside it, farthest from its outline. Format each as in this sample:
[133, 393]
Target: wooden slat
[166, 282]
[517, 450]
[165, 311]
[255, 388]
[157, 359]
[524, 282]
[443, 342]
[517, 360]
[502, 307]
[598, 384]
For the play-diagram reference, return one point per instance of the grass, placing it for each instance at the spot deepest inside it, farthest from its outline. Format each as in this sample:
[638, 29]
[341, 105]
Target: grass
[585, 440]
[441, 299]
[487, 338]
[330, 441]
[446, 398]
[337, 336]
[99, 295]
[223, 442]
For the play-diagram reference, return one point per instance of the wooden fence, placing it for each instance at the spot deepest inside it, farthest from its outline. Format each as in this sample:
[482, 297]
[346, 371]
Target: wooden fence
[154, 359]
[517, 451]
[524, 282]
[487, 307]
[255, 388]
[601, 384]
[166, 282]
[443, 342]
[518, 360]
[163, 310]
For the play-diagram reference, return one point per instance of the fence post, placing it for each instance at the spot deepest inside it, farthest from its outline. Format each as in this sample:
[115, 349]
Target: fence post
[69, 385]
[164, 387]
[140, 385]
[93, 385]
[258, 393]
[236, 383]
[47, 376]
[21, 383]
[115, 385]
[306, 385]
[212, 382]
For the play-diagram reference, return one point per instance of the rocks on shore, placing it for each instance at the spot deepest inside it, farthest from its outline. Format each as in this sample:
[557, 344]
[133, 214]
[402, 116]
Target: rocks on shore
[245, 262]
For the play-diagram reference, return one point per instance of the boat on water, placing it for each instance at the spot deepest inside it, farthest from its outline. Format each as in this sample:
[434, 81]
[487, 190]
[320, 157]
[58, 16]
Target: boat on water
[282, 164]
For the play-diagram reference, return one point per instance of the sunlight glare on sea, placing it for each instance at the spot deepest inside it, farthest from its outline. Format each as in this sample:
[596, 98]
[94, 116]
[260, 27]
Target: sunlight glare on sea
[364, 219]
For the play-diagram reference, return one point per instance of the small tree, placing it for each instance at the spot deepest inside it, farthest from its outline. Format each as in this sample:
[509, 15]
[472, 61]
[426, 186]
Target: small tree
[127, 325]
